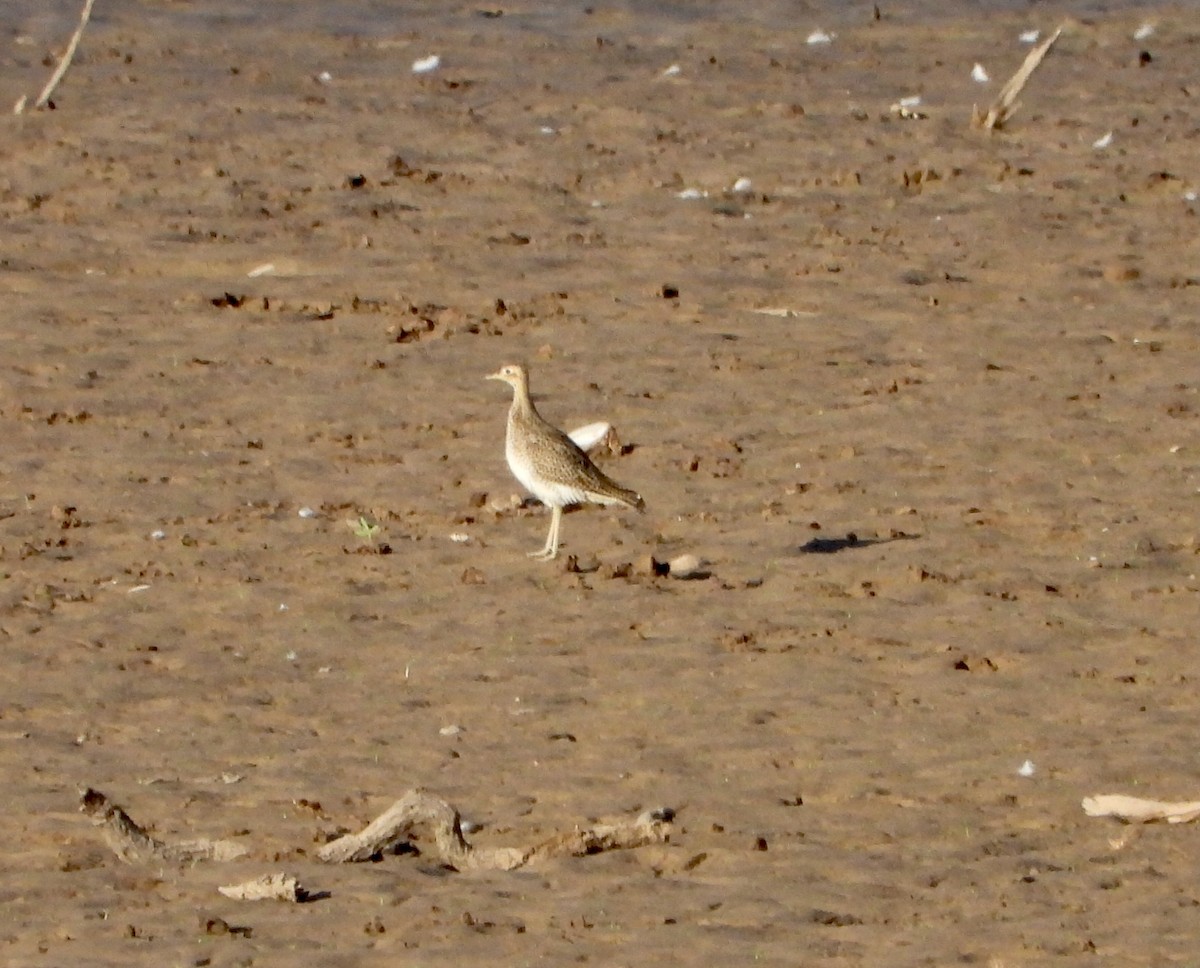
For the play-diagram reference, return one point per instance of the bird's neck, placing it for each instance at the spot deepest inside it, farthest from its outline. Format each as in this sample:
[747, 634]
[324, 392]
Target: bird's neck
[522, 405]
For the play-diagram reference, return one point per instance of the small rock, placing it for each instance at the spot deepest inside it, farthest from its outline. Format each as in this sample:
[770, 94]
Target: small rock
[585, 566]
[1120, 273]
[452, 730]
[472, 576]
[687, 567]
[500, 505]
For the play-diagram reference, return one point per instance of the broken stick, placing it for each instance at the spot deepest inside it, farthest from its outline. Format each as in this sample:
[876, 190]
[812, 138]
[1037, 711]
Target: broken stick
[130, 842]
[1005, 105]
[48, 91]
[269, 887]
[419, 806]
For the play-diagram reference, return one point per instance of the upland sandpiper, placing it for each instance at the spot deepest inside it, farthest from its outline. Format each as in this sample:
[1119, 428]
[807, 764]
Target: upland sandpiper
[549, 464]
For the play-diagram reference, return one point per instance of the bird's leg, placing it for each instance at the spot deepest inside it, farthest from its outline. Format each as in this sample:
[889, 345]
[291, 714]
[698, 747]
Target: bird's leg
[550, 550]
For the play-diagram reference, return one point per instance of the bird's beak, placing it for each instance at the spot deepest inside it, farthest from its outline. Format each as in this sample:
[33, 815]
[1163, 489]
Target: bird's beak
[494, 376]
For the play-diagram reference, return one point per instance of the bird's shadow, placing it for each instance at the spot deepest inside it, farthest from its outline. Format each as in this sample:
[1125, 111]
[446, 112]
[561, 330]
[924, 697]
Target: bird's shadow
[831, 546]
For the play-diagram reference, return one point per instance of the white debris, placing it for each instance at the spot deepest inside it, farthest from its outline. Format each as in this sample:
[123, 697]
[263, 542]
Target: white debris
[1144, 31]
[269, 887]
[1030, 36]
[820, 37]
[137, 588]
[426, 64]
[979, 75]
[1026, 769]
[673, 71]
[546, 129]
[906, 108]
[687, 567]
[1103, 142]
[307, 512]
[742, 185]
[266, 269]
[1190, 196]
[452, 730]
[459, 537]
[691, 193]
[324, 78]
[283, 606]
[158, 535]
[291, 655]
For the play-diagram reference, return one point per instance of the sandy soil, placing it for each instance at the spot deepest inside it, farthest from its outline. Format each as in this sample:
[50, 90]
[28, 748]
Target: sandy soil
[949, 499]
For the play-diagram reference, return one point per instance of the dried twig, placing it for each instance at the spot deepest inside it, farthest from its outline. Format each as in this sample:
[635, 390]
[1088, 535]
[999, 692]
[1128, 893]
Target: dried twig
[269, 887]
[1005, 105]
[130, 842]
[417, 806]
[48, 91]
[1139, 810]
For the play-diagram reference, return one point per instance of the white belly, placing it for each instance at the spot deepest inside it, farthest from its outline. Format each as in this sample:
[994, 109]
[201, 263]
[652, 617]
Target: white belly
[548, 492]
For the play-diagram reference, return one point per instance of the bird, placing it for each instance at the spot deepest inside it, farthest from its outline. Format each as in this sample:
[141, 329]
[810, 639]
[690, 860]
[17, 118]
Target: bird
[549, 464]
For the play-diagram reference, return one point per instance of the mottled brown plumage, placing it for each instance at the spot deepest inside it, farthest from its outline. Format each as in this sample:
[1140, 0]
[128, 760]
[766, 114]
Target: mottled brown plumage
[549, 464]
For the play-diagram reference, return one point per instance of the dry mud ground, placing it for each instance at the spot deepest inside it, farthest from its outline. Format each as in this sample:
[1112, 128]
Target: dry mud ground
[949, 501]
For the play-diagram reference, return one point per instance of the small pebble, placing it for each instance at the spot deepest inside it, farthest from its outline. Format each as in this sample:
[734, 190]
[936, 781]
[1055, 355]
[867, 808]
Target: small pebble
[452, 730]
[426, 64]
[979, 75]
[1120, 273]
[1027, 768]
[687, 566]
[820, 37]
[307, 512]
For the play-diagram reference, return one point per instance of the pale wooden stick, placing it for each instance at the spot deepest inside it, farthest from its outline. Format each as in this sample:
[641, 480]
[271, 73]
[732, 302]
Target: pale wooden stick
[649, 827]
[418, 806]
[1005, 105]
[48, 91]
[130, 842]
[269, 887]
[1139, 810]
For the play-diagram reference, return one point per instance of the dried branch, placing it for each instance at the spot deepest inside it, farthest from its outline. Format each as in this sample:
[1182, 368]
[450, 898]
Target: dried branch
[1139, 810]
[48, 91]
[420, 807]
[1005, 105]
[269, 887]
[130, 842]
